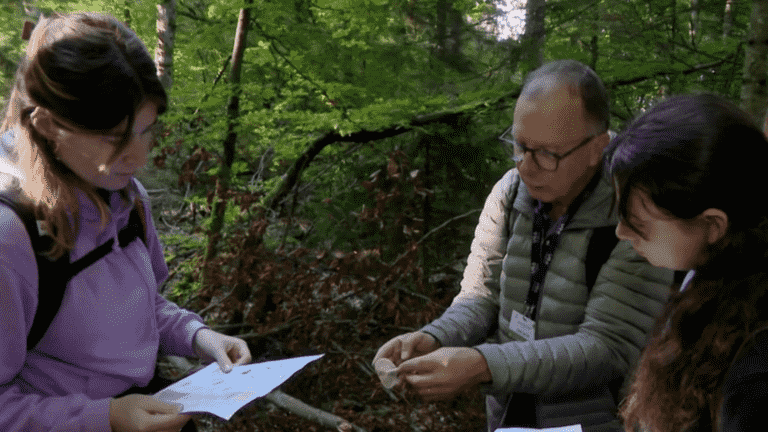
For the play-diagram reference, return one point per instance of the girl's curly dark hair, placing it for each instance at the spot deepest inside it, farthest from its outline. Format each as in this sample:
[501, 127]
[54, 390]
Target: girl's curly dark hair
[690, 153]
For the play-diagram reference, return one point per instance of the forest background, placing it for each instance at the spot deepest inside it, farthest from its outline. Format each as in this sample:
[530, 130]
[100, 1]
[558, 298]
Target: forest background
[323, 163]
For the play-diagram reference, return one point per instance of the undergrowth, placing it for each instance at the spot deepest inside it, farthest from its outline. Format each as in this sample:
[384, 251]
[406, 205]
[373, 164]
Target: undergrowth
[289, 300]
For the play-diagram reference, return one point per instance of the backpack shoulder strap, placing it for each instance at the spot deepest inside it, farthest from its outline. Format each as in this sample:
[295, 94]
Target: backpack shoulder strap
[50, 276]
[54, 275]
[49, 273]
[599, 249]
[137, 225]
[26, 215]
[136, 228]
[511, 197]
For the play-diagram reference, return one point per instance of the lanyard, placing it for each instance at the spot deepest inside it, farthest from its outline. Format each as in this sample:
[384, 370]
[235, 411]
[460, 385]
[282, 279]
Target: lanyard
[543, 246]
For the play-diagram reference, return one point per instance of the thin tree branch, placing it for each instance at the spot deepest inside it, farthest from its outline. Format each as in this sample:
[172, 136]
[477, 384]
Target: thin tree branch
[688, 71]
[363, 136]
[290, 403]
[444, 224]
[186, 10]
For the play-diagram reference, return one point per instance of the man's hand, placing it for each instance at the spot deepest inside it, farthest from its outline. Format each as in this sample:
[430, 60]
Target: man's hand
[407, 346]
[140, 413]
[227, 351]
[445, 373]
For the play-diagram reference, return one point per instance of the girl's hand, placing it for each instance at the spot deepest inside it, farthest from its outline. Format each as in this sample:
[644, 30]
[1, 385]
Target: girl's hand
[225, 350]
[140, 413]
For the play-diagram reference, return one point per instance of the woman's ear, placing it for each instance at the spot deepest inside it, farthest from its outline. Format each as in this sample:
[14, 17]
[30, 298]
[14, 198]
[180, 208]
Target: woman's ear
[42, 121]
[717, 224]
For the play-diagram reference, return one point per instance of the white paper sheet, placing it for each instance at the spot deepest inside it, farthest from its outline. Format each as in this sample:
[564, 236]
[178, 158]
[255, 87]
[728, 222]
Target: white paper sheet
[212, 391]
[572, 428]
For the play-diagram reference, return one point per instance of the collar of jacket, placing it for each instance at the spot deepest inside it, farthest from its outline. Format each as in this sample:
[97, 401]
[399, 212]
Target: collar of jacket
[120, 203]
[597, 211]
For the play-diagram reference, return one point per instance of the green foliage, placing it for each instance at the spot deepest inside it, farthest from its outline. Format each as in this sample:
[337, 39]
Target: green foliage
[391, 218]
[181, 254]
[318, 67]
[11, 48]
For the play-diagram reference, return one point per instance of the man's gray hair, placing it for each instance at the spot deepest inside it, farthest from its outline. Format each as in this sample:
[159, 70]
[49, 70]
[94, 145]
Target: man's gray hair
[579, 77]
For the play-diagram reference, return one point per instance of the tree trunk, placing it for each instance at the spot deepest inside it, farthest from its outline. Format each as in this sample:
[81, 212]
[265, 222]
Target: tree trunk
[754, 91]
[233, 108]
[449, 30]
[166, 32]
[127, 13]
[441, 41]
[727, 18]
[673, 80]
[233, 114]
[695, 20]
[454, 53]
[441, 28]
[532, 41]
[593, 42]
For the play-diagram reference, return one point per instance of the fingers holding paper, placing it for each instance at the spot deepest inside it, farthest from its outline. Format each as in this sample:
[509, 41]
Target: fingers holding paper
[225, 350]
[444, 373]
[144, 413]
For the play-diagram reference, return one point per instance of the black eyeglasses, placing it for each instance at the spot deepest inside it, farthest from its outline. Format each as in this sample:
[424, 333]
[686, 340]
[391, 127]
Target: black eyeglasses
[546, 160]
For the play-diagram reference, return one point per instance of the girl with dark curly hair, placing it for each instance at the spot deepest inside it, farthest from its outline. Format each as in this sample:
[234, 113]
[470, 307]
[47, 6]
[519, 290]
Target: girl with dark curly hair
[688, 172]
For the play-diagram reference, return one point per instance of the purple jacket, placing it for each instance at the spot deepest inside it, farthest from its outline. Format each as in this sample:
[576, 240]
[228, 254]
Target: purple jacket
[106, 337]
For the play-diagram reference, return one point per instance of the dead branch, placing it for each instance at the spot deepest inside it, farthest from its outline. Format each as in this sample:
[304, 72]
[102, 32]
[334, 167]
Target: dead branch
[444, 224]
[291, 178]
[275, 330]
[311, 413]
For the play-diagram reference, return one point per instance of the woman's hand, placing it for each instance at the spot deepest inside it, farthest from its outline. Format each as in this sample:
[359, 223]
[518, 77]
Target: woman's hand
[225, 350]
[140, 413]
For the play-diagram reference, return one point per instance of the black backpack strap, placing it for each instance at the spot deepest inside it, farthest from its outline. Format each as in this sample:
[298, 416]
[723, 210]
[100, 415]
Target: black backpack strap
[50, 273]
[511, 197]
[26, 215]
[600, 246]
[136, 227]
[54, 275]
[599, 249]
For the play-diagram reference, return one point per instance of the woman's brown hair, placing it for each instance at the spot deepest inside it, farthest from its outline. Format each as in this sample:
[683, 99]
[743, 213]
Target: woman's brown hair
[92, 71]
[690, 153]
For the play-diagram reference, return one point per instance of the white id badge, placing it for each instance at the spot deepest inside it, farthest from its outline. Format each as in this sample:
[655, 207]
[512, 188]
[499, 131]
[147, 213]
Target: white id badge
[522, 326]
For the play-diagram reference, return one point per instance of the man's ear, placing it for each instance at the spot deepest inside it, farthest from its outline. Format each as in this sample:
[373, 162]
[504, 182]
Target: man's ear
[717, 224]
[597, 146]
[42, 121]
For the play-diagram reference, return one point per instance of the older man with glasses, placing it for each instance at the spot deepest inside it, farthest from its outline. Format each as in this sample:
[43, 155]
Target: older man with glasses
[553, 311]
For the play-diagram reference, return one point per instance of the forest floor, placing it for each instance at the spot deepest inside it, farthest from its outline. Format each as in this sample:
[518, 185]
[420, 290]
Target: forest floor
[343, 382]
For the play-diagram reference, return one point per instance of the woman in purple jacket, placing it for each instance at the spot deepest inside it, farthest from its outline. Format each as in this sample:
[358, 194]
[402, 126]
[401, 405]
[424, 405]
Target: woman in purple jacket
[78, 126]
